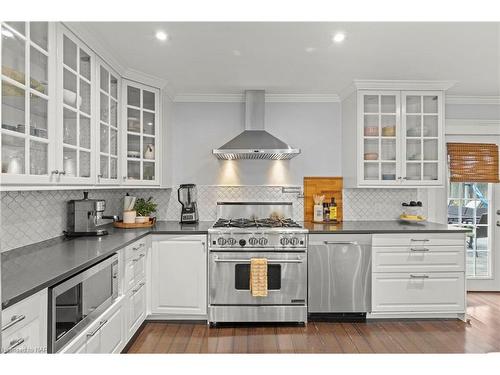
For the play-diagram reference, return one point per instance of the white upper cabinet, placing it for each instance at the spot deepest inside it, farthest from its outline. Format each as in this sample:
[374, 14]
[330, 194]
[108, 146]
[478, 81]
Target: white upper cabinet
[108, 163]
[142, 134]
[393, 138]
[76, 108]
[28, 97]
[68, 116]
[423, 138]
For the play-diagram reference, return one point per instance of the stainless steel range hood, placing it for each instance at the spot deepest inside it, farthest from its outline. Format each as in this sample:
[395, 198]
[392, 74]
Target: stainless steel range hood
[255, 142]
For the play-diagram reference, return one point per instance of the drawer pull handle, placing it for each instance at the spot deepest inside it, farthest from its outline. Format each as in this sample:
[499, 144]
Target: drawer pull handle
[419, 240]
[14, 320]
[101, 324]
[340, 242]
[138, 247]
[138, 259]
[419, 276]
[14, 344]
[138, 288]
[416, 249]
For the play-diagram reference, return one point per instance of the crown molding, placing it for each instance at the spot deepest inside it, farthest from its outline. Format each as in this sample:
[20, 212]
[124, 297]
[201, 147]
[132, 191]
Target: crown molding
[472, 127]
[270, 98]
[83, 33]
[395, 84]
[148, 79]
[476, 100]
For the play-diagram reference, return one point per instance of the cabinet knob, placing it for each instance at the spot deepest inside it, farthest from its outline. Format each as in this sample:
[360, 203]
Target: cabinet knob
[55, 172]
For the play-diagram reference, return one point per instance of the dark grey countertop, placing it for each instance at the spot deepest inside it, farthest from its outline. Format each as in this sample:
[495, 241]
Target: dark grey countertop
[28, 269]
[389, 226]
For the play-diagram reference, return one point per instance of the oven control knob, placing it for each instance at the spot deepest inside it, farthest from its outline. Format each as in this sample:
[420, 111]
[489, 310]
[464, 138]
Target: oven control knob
[242, 243]
[294, 241]
[221, 241]
[253, 241]
[231, 241]
[263, 241]
[284, 241]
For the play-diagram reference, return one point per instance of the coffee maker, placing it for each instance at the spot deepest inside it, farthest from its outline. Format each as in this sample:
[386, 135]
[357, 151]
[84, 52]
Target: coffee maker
[186, 195]
[85, 217]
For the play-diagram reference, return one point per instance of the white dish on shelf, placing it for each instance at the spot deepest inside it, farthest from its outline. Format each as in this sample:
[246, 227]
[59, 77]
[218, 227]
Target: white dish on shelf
[133, 154]
[69, 97]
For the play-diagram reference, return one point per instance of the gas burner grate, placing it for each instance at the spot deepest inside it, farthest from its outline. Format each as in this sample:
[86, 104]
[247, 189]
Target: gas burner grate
[256, 223]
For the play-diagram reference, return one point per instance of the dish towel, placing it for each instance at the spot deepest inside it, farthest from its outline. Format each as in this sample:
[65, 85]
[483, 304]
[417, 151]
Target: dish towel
[258, 277]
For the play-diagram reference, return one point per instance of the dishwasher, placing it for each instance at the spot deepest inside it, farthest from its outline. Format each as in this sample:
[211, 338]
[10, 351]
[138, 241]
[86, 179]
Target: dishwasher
[339, 275]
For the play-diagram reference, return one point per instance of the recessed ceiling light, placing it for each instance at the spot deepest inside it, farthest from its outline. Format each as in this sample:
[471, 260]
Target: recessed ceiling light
[236, 52]
[338, 37]
[310, 49]
[7, 33]
[161, 35]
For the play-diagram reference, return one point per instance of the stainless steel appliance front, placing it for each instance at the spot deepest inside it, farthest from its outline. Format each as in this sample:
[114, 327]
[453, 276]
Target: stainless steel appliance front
[339, 273]
[230, 278]
[77, 302]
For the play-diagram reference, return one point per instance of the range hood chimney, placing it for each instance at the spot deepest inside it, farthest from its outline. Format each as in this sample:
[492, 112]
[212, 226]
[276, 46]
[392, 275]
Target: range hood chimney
[255, 142]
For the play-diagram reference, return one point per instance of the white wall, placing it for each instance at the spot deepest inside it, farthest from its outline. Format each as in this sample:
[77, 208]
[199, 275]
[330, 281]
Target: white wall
[473, 111]
[197, 128]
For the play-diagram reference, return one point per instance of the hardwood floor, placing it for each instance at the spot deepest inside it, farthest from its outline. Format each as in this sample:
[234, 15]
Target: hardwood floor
[482, 335]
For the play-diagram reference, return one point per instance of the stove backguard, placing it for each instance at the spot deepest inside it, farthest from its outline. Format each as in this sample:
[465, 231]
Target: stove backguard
[248, 210]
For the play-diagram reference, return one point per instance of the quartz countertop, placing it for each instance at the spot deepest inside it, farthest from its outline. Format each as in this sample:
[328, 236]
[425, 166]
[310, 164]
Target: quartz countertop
[29, 269]
[387, 226]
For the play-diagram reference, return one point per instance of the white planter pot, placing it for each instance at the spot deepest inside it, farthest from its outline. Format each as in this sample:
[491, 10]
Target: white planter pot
[141, 219]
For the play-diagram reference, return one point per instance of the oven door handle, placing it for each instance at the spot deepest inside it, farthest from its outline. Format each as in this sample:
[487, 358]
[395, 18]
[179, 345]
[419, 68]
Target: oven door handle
[217, 260]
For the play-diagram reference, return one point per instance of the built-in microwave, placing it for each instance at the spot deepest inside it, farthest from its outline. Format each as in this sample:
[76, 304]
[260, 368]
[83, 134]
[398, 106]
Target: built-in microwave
[78, 301]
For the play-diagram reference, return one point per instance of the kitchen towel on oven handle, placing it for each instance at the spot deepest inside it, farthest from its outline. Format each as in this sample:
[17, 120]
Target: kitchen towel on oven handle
[258, 277]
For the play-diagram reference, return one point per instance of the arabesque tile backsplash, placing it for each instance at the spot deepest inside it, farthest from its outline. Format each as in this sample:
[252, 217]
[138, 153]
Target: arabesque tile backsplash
[33, 216]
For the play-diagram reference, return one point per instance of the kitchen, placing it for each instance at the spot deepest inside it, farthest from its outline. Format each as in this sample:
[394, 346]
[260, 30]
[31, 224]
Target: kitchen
[228, 193]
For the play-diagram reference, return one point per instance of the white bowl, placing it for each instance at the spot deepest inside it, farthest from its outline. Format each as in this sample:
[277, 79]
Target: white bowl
[69, 97]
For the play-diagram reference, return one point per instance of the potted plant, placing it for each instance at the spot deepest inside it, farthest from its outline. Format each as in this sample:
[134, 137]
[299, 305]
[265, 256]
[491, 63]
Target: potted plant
[144, 209]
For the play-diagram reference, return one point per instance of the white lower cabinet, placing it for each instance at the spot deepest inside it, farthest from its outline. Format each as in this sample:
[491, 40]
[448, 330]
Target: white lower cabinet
[24, 325]
[106, 335]
[418, 292]
[136, 310]
[179, 276]
[418, 275]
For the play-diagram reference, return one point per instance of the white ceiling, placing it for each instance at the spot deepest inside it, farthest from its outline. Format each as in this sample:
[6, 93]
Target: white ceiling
[200, 57]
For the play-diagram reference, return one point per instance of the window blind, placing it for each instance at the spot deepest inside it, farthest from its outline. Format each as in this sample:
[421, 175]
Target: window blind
[473, 162]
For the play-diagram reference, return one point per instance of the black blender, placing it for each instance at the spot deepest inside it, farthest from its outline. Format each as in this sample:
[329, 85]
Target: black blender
[186, 195]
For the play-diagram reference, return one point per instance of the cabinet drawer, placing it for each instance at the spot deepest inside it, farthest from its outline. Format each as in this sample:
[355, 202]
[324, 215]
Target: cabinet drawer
[135, 248]
[418, 258]
[23, 312]
[135, 269]
[24, 340]
[136, 308]
[418, 292]
[418, 239]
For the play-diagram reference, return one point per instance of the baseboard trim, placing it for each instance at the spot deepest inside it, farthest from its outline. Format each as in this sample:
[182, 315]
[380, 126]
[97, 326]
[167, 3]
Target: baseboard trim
[133, 338]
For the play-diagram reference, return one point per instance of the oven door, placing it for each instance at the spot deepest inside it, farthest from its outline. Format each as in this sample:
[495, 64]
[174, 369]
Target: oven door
[230, 278]
[78, 301]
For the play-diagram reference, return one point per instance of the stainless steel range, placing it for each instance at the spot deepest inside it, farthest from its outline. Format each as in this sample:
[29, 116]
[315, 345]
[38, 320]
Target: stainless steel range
[257, 230]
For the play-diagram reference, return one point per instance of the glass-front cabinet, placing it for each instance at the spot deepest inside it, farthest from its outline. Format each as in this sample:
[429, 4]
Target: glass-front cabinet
[400, 135]
[68, 117]
[422, 126]
[108, 129]
[76, 88]
[380, 144]
[141, 114]
[28, 92]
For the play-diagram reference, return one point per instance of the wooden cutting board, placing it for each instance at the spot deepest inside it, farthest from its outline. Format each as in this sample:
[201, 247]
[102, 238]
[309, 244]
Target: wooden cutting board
[327, 186]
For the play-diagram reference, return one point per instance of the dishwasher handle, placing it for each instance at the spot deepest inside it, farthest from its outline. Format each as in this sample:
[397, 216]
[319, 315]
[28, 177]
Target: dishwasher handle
[355, 243]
